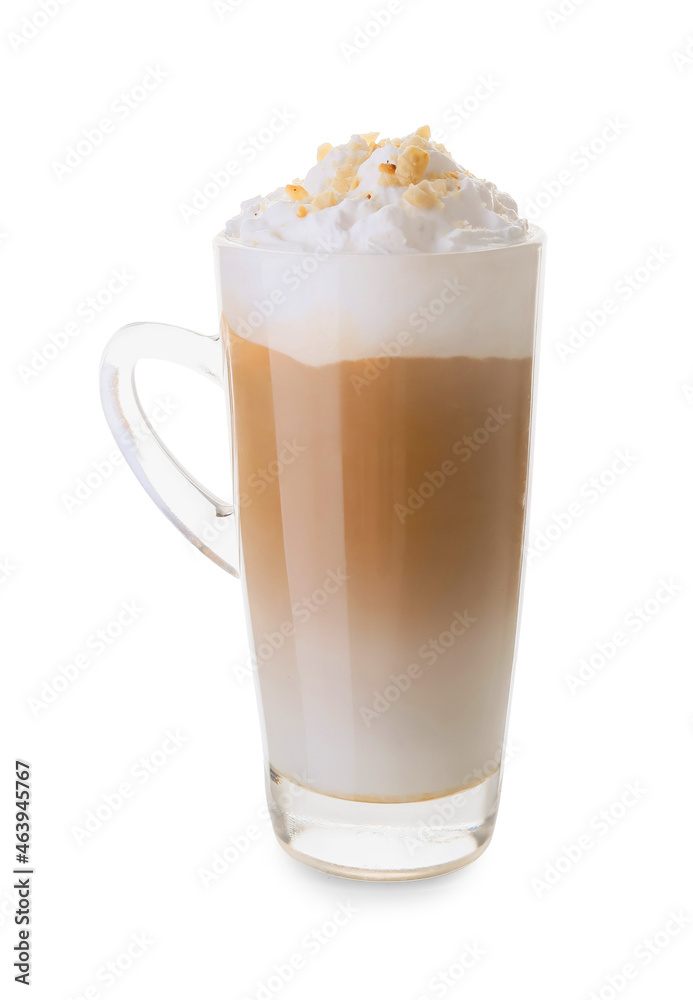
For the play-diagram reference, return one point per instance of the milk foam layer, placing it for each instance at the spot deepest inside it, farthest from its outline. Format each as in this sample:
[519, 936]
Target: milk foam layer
[324, 308]
[395, 196]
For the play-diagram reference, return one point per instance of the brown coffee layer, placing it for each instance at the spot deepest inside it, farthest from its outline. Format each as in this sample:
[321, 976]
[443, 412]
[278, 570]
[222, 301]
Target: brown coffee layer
[381, 519]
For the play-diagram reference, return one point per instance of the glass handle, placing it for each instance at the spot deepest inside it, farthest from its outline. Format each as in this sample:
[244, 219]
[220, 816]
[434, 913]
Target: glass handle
[204, 519]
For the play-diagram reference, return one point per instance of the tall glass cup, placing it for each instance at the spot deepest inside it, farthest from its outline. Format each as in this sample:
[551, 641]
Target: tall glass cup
[381, 414]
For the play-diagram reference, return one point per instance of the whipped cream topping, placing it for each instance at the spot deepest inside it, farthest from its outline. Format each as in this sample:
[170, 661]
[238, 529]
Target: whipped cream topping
[390, 196]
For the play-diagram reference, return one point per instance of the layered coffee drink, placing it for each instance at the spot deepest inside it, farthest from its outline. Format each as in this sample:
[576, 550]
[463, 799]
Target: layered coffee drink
[376, 347]
[378, 322]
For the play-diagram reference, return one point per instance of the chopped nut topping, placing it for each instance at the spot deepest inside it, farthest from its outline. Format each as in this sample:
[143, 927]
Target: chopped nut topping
[387, 180]
[427, 196]
[326, 199]
[344, 177]
[411, 165]
[420, 195]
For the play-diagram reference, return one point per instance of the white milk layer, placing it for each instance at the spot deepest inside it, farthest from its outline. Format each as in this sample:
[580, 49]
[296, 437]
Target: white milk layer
[324, 308]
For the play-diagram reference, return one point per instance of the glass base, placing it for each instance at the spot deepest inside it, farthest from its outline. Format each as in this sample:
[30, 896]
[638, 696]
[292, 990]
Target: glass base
[383, 841]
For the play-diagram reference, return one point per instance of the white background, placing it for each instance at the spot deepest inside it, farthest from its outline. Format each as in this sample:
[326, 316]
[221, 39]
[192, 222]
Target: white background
[555, 82]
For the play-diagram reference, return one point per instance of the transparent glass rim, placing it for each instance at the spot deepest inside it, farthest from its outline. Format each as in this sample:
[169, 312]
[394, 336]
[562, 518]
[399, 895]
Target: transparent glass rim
[535, 236]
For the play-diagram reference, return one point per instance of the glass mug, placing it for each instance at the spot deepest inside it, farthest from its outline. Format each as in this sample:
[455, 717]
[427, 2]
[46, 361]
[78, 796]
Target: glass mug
[381, 415]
